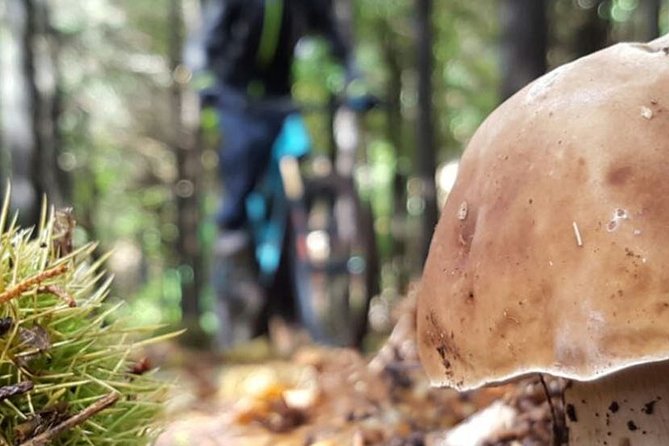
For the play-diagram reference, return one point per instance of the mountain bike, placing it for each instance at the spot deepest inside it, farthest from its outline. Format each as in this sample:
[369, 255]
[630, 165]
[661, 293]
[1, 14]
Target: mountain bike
[307, 215]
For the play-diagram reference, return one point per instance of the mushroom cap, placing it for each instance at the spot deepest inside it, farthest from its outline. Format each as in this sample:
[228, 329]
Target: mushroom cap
[552, 251]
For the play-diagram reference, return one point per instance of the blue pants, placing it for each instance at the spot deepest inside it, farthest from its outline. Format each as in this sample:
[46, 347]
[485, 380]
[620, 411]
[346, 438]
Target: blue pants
[248, 133]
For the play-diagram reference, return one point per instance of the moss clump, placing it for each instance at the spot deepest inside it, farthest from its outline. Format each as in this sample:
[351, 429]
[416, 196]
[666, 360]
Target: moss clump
[67, 372]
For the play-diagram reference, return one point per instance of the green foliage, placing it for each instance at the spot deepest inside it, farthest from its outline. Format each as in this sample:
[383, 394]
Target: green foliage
[117, 137]
[465, 63]
[466, 70]
[63, 338]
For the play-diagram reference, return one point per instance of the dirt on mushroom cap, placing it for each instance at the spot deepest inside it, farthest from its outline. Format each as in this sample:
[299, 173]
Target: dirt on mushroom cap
[559, 263]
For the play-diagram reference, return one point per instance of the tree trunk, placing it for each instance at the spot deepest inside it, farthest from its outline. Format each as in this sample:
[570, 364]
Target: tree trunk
[344, 13]
[650, 19]
[30, 108]
[19, 119]
[4, 155]
[593, 35]
[48, 176]
[427, 163]
[394, 131]
[524, 40]
[185, 119]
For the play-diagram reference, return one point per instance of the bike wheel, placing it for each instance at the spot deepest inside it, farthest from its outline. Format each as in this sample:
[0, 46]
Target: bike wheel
[335, 264]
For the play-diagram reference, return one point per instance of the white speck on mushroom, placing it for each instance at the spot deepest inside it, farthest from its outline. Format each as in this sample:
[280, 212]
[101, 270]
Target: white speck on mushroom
[618, 214]
[577, 233]
[637, 232]
[646, 112]
[462, 212]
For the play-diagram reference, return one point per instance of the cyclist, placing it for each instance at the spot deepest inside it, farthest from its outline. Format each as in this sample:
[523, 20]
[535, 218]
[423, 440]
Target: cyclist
[249, 47]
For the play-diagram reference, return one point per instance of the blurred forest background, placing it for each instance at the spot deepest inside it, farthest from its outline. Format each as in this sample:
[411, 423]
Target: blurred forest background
[98, 111]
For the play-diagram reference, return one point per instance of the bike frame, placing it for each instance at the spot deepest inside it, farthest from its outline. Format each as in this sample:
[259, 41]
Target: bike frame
[278, 210]
[269, 204]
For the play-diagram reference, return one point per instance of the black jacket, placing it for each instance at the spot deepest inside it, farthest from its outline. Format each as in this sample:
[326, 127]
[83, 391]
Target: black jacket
[233, 30]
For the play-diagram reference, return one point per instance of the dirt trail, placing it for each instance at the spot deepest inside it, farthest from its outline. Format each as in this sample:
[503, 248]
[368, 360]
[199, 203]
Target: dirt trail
[336, 397]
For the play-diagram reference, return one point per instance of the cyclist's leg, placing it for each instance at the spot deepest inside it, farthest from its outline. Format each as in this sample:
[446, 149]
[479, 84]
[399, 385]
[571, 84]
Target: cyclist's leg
[244, 154]
[239, 299]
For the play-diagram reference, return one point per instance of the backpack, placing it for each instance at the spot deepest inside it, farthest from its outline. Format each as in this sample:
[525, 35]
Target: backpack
[242, 37]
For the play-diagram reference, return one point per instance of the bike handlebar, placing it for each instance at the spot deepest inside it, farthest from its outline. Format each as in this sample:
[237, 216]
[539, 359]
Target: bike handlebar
[210, 97]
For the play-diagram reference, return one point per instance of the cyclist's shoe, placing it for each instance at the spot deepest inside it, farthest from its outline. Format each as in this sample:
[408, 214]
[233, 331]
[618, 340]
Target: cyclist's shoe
[239, 296]
[230, 242]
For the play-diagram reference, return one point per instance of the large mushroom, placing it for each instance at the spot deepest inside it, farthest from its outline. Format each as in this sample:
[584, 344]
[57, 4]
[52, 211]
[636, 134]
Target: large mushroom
[552, 252]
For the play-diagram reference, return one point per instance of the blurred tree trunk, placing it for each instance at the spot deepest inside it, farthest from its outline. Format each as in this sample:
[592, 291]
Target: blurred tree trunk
[50, 179]
[30, 107]
[593, 34]
[650, 19]
[19, 120]
[4, 156]
[344, 13]
[393, 95]
[425, 138]
[185, 142]
[524, 40]
[394, 131]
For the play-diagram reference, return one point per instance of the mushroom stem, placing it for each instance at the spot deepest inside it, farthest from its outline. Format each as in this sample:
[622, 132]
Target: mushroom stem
[630, 407]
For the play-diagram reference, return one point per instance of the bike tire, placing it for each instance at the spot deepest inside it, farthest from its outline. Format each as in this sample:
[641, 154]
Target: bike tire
[333, 295]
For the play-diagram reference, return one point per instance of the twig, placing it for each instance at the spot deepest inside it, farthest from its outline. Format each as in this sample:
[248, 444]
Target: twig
[59, 293]
[30, 282]
[577, 233]
[550, 404]
[15, 389]
[46, 437]
[558, 427]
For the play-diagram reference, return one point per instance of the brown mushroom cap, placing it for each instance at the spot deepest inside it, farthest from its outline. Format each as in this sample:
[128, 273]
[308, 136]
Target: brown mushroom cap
[552, 251]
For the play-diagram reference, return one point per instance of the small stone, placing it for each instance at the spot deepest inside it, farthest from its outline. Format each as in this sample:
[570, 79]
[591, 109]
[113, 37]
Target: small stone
[646, 112]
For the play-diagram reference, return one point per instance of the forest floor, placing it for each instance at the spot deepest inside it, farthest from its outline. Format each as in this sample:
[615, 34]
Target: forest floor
[329, 397]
